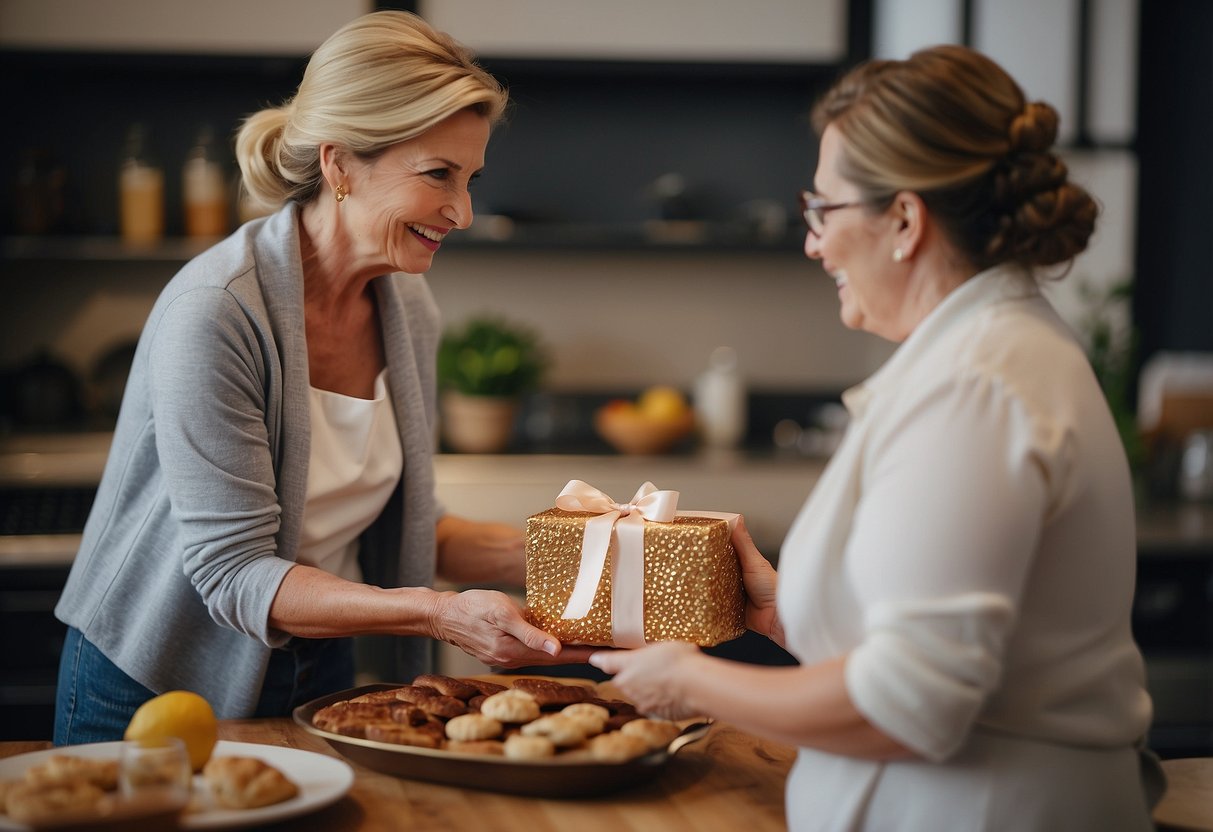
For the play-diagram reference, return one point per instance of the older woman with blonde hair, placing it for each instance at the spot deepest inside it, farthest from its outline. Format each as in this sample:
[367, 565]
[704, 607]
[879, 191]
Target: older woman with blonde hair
[958, 586]
[270, 490]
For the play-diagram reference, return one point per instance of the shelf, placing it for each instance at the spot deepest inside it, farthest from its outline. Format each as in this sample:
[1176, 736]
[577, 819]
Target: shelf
[495, 233]
[100, 248]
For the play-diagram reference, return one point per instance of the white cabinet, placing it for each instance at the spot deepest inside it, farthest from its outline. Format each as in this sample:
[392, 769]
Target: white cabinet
[215, 27]
[1037, 41]
[759, 31]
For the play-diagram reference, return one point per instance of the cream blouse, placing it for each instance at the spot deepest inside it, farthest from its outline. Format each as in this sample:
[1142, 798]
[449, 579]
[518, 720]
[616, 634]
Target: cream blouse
[970, 546]
[355, 463]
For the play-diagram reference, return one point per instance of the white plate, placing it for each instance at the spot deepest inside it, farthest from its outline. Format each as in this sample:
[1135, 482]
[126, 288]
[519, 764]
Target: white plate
[321, 780]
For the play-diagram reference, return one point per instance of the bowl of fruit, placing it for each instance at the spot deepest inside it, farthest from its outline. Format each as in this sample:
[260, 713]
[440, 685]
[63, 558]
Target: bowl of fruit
[651, 424]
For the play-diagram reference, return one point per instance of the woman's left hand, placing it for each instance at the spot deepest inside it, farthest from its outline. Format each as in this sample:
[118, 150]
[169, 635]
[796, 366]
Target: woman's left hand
[652, 677]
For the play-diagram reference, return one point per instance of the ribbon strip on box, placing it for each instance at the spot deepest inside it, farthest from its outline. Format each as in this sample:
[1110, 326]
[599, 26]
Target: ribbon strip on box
[691, 569]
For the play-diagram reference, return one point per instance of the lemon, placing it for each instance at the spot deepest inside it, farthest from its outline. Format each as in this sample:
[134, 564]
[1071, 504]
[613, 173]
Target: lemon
[663, 404]
[178, 713]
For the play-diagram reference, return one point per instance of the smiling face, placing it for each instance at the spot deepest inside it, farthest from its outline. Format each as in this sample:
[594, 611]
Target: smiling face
[855, 249]
[403, 202]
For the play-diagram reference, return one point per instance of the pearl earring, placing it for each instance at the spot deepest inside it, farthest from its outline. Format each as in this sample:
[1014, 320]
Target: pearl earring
[898, 255]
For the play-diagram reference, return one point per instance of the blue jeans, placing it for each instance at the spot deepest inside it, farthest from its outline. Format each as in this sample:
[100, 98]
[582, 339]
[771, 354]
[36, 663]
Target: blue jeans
[95, 700]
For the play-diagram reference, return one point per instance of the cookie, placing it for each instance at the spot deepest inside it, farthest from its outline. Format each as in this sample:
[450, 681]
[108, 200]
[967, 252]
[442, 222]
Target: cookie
[246, 782]
[656, 733]
[447, 685]
[519, 747]
[511, 706]
[551, 694]
[473, 727]
[563, 731]
[617, 747]
[592, 718]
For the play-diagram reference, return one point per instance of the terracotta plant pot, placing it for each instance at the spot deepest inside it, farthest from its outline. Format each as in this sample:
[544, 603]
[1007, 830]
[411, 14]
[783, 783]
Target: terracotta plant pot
[477, 424]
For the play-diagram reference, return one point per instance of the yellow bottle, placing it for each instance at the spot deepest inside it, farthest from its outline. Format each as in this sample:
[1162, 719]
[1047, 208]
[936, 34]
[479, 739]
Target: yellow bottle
[204, 189]
[140, 192]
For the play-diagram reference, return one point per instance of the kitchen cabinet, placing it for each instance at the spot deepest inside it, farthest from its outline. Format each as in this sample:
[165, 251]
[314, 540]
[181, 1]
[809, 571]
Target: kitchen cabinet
[760, 31]
[267, 27]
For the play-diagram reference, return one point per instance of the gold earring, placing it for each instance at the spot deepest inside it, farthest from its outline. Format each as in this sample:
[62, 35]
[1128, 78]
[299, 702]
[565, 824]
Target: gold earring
[339, 193]
[898, 255]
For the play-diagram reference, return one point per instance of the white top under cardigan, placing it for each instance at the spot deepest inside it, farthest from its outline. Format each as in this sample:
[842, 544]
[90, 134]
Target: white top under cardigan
[355, 463]
[971, 546]
[199, 511]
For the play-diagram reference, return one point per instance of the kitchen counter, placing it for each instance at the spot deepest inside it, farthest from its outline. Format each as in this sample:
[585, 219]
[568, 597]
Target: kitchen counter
[727, 781]
[769, 489]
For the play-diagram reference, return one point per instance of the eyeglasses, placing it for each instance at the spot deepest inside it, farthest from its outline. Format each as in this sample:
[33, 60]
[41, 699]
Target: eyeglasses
[815, 208]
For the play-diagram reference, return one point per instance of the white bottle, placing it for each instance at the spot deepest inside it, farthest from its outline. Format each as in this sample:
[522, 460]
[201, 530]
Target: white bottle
[720, 400]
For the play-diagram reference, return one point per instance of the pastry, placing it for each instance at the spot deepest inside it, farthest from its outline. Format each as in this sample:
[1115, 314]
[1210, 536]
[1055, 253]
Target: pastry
[615, 706]
[402, 735]
[563, 731]
[407, 714]
[552, 694]
[656, 733]
[473, 727]
[347, 713]
[511, 706]
[447, 685]
[519, 747]
[485, 688]
[617, 747]
[443, 706]
[42, 803]
[246, 782]
[412, 693]
[617, 721]
[65, 768]
[495, 748]
[377, 696]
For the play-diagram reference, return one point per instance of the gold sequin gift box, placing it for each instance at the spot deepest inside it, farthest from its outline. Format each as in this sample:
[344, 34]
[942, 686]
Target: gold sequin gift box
[604, 573]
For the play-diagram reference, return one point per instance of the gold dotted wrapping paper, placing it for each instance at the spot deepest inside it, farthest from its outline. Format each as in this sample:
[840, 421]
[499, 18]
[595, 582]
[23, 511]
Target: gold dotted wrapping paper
[692, 580]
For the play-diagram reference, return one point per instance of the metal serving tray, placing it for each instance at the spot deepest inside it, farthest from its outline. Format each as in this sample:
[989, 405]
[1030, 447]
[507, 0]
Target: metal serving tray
[575, 777]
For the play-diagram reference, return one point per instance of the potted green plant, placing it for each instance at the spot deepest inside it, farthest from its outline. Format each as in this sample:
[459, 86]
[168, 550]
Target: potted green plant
[484, 367]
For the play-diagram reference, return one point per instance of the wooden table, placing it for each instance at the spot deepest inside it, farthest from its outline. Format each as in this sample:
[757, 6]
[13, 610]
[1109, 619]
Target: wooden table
[727, 781]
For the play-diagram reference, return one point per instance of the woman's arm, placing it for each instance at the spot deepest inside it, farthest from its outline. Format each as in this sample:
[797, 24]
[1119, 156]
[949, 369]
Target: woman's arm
[806, 706]
[489, 626]
[472, 552]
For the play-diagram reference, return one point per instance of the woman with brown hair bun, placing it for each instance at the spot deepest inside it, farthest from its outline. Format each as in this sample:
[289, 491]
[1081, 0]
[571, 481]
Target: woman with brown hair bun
[958, 586]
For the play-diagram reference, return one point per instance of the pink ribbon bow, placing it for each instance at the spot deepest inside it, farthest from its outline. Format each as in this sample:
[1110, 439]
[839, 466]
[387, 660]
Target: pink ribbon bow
[625, 522]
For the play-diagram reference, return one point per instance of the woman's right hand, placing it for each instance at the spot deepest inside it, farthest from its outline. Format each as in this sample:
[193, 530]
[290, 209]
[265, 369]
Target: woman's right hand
[490, 627]
[760, 580]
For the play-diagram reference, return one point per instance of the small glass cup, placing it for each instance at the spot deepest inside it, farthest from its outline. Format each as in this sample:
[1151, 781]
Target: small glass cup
[155, 771]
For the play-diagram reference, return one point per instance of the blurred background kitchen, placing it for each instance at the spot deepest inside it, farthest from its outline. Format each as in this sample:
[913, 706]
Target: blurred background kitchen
[637, 219]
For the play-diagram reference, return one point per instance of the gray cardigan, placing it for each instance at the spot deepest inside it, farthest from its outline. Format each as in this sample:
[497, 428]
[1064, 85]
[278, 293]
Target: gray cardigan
[198, 514]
